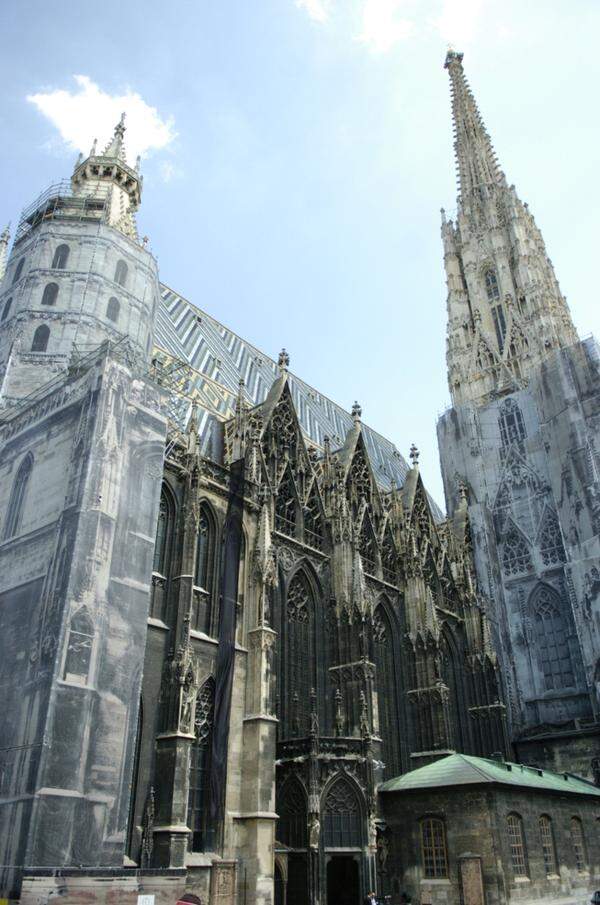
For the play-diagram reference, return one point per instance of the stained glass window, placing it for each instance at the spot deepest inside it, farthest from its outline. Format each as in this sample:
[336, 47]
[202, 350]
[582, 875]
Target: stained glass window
[434, 853]
[341, 816]
[299, 660]
[200, 764]
[204, 572]
[551, 546]
[163, 535]
[292, 822]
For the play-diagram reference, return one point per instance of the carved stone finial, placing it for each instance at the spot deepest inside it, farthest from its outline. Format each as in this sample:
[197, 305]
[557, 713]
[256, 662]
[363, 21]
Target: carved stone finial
[463, 492]
[356, 411]
[283, 362]
[414, 455]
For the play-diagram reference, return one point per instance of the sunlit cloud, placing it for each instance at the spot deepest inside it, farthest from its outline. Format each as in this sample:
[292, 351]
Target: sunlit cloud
[318, 10]
[87, 112]
[383, 26]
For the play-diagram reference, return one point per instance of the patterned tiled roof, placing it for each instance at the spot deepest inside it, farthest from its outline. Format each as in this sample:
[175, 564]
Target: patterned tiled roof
[220, 358]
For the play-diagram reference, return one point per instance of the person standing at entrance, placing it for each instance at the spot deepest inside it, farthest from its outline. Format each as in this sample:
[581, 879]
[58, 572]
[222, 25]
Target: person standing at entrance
[371, 899]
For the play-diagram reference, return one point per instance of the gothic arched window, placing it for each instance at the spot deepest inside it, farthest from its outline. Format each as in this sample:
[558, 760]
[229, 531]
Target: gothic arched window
[61, 257]
[6, 310]
[387, 690]
[79, 648]
[552, 637]
[512, 426]
[121, 272]
[578, 842]
[293, 815]
[204, 571]
[551, 546]
[18, 271]
[516, 557]
[548, 845]
[200, 765]
[491, 285]
[342, 816]
[112, 309]
[239, 616]
[50, 294]
[298, 661]
[286, 505]
[40, 339]
[516, 841]
[14, 513]
[434, 850]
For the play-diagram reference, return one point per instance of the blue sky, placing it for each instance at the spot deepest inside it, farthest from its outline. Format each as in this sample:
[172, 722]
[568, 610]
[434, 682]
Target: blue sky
[296, 156]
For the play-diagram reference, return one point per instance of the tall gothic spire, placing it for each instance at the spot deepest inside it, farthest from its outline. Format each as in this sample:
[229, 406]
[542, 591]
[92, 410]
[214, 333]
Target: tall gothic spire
[115, 147]
[506, 312]
[478, 171]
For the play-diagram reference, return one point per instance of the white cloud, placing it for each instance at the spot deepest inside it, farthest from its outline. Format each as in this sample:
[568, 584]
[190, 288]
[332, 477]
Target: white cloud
[383, 26]
[88, 112]
[318, 10]
[458, 21]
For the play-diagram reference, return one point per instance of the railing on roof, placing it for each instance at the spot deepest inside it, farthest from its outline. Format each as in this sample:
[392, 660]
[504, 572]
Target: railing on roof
[59, 202]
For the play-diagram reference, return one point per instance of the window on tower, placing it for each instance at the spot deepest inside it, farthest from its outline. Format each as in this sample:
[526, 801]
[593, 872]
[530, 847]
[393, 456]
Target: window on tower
[112, 309]
[50, 294]
[40, 339]
[61, 257]
[491, 286]
[19, 270]
[121, 273]
[6, 310]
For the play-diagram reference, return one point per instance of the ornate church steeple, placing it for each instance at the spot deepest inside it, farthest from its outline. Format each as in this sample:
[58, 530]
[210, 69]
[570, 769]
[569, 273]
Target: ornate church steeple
[506, 312]
[109, 177]
[4, 243]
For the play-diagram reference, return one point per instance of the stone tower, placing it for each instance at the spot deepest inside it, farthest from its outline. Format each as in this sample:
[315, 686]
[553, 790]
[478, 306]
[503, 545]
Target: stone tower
[82, 435]
[522, 435]
[77, 274]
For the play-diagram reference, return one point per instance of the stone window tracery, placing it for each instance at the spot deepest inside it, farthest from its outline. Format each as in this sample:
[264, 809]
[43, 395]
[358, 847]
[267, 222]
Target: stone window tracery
[491, 285]
[200, 765]
[516, 557]
[341, 816]
[164, 528]
[551, 546]
[387, 692]
[552, 637]
[434, 853]
[512, 426]
[298, 666]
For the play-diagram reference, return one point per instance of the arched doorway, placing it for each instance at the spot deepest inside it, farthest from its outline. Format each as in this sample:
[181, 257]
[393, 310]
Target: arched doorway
[342, 842]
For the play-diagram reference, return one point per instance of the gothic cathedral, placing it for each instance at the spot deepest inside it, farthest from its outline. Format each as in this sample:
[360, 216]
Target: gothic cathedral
[235, 626]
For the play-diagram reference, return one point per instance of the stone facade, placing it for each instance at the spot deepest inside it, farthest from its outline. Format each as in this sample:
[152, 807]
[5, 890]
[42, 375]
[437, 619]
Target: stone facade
[522, 438]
